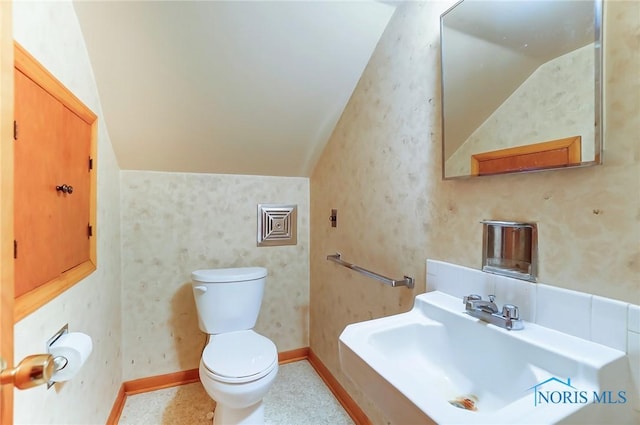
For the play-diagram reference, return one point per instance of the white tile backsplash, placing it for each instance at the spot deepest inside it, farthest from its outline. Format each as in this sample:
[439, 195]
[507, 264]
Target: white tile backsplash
[518, 293]
[434, 275]
[634, 318]
[633, 351]
[602, 320]
[564, 310]
[609, 322]
[458, 281]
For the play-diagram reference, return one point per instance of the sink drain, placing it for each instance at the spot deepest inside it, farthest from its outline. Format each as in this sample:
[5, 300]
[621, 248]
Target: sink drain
[466, 402]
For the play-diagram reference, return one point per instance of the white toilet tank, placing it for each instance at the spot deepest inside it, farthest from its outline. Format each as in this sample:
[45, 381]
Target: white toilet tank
[228, 300]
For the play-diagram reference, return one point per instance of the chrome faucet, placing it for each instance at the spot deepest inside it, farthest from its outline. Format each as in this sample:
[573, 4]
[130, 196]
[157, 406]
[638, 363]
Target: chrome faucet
[487, 311]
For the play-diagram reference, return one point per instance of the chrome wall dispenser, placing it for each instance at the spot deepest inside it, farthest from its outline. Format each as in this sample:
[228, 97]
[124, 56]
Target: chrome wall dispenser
[510, 248]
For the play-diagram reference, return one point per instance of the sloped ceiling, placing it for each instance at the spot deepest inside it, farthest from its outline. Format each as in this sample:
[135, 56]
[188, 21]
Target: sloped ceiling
[227, 86]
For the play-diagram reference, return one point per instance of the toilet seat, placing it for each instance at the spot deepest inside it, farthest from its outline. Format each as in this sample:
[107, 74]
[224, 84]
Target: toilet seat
[241, 356]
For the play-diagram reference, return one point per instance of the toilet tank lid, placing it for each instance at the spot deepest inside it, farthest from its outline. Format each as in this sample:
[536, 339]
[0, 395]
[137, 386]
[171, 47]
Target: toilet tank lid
[229, 275]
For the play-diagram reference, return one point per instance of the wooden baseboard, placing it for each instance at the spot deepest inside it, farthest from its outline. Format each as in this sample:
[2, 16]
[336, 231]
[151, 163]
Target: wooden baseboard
[349, 405]
[293, 355]
[118, 405]
[159, 382]
[168, 380]
[144, 385]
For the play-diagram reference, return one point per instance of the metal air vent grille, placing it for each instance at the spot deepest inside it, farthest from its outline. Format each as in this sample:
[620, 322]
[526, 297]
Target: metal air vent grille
[277, 224]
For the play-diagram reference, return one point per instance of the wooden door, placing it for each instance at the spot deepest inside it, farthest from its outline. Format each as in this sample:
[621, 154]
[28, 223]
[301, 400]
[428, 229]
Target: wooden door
[6, 205]
[74, 208]
[36, 201]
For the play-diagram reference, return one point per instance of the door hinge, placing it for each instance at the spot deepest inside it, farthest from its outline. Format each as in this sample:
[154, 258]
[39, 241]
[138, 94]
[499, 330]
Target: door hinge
[15, 130]
[89, 230]
[90, 163]
[15, 248]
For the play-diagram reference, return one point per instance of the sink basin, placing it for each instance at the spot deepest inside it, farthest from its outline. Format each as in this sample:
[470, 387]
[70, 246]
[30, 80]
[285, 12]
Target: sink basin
[437, 364]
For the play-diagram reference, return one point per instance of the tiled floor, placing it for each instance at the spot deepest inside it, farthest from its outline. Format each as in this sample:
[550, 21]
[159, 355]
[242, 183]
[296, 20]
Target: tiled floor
[298, 397]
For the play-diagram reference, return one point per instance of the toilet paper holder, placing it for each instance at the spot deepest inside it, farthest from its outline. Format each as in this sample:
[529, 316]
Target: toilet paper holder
[59, 362]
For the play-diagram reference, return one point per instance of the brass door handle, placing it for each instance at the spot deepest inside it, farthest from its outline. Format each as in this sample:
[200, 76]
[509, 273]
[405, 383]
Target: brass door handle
[32, 371]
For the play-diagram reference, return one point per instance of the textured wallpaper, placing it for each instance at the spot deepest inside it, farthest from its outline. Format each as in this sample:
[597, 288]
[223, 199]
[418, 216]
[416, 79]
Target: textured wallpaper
[555, 102]
[50, 31]
[174, 223]
[381, 170]
[394, 211]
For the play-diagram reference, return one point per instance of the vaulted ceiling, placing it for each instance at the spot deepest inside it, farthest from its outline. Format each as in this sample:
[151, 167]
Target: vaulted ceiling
[227, 86]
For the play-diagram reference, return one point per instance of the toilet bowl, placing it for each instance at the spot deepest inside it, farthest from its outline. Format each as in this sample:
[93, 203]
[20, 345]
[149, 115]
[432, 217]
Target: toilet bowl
[238, 365]
[237, 370]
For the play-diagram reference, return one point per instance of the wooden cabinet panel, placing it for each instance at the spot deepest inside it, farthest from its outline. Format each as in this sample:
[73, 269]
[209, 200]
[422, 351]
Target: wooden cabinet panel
[54, 146]
[74, 217]
[35, 197]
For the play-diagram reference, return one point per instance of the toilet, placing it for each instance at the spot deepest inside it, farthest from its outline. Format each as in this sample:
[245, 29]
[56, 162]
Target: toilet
[238, 365]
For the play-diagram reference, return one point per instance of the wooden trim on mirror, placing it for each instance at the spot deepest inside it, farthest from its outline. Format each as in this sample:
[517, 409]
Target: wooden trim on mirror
[538, 156]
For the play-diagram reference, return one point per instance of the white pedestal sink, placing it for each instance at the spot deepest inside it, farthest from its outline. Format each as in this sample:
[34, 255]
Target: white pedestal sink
[420, 366]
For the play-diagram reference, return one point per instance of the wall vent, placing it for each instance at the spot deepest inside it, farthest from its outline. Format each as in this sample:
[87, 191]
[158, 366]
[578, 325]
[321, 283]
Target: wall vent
[277, 224]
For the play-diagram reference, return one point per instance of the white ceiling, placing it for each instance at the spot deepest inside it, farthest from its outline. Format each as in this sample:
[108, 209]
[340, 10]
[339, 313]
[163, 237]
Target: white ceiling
[227, 86]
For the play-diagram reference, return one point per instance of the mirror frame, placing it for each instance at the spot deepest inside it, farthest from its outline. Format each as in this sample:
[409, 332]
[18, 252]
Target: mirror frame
[598, 6]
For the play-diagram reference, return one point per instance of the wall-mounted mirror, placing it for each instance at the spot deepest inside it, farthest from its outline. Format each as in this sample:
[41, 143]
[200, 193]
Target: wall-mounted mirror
[521, 86]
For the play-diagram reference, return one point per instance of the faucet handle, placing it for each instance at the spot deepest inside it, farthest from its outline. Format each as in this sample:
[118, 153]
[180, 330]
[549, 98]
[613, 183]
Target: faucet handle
[510, 311]
[472, 297]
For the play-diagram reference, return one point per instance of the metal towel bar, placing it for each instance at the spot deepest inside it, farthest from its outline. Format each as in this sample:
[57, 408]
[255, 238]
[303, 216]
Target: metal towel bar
[407, 281]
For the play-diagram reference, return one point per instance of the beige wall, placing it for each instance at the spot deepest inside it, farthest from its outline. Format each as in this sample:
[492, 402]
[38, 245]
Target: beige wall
[50, 31]
[381, 170]
[174, 223]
